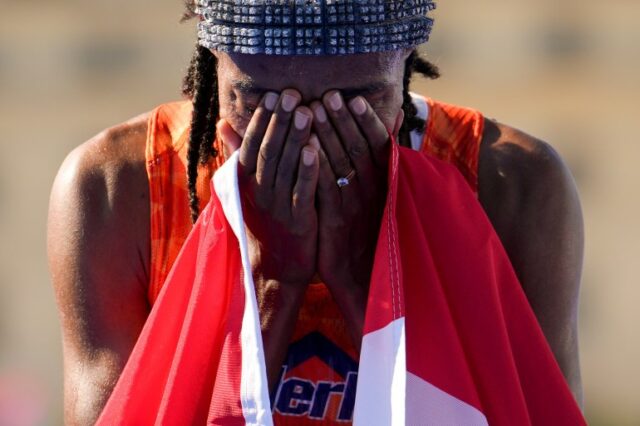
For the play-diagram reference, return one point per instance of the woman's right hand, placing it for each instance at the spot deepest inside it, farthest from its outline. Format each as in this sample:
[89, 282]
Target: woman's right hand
[278, 175]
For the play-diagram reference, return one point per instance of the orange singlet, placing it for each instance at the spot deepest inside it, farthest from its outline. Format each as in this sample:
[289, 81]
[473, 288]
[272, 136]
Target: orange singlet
[318, 379]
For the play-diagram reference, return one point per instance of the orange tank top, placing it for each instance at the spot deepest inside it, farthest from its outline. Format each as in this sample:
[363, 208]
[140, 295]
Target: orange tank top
[318, 379]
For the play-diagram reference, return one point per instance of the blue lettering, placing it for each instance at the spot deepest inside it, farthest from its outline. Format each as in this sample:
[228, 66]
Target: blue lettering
[321, 398]
[349, 398]
[295, 397]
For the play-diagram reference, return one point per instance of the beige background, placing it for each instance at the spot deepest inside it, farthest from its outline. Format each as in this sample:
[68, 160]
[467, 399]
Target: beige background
[568, 72]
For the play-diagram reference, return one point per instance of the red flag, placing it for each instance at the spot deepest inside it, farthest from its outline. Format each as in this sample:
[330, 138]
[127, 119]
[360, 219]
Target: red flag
[443, 286]
[449, 336]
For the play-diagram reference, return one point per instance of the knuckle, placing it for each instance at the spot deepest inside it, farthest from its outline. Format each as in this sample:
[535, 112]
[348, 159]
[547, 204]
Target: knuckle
[358, 149]
[268, 153]
[301, 200]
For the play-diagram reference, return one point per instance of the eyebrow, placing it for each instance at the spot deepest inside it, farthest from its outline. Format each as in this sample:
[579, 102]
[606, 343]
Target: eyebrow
[367, 89]
[247, 86]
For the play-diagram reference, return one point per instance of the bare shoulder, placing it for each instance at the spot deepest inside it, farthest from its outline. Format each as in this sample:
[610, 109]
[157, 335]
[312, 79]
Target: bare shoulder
[105, 179]
[115, 149]
[98, 251]
[518, 171]
[511, 159]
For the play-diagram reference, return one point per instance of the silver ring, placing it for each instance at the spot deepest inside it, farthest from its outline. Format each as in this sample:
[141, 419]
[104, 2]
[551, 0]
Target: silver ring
[346, 180]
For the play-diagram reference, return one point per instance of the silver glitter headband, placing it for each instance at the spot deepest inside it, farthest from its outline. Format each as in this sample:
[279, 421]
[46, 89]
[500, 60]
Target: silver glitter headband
[313, 27]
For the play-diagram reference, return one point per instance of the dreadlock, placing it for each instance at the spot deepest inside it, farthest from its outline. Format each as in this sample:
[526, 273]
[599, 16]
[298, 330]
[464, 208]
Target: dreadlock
[411, 120]
[200, 84]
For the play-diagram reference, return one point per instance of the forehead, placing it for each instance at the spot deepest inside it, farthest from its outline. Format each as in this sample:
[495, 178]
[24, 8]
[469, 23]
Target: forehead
[311, 75]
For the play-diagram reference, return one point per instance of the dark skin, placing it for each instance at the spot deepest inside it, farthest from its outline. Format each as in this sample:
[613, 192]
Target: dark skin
[525, 188]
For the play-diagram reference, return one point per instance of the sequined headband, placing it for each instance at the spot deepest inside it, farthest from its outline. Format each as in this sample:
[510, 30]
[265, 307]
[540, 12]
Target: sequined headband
[313, 27]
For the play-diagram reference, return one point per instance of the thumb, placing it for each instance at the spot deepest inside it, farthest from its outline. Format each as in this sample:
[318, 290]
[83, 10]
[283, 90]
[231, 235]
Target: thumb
[231, 141]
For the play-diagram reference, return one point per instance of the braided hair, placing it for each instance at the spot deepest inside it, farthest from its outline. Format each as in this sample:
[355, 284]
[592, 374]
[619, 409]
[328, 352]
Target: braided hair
[200, 84]
[412, 122]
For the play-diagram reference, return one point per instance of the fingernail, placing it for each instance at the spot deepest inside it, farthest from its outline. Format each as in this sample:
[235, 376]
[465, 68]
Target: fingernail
[308, 156]
[270, 101]
[314, 142]
[358, 106]
[301, 120]
[335, 101]
[320, 114]
[289, 102]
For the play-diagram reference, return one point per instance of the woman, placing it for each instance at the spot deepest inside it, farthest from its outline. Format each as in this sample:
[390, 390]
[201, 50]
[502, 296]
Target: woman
[311, 114]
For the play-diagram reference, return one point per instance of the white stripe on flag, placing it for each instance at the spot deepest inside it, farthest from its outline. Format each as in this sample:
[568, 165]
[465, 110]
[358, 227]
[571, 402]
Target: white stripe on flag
[254, 392]
[380, 396]
[429, 406]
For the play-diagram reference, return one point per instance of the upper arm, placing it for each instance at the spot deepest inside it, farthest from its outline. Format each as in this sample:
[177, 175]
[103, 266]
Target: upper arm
[97, 255]
[532, 201]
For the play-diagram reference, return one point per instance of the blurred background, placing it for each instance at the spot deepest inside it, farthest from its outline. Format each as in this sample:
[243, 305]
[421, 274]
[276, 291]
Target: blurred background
[566, 71]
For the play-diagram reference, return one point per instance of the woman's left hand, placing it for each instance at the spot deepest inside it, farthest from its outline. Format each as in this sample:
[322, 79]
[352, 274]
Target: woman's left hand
[355, 146]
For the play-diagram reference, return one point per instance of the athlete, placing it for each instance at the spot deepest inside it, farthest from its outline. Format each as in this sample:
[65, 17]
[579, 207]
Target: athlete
[311, 127]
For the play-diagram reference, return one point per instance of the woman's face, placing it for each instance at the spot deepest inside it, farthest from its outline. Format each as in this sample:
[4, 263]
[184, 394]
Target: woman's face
[243, 79]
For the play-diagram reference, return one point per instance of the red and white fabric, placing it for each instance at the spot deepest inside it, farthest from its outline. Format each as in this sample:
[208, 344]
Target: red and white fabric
[449, 336]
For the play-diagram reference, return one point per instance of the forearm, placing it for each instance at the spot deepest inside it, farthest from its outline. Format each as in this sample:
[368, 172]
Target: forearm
[279, 304]
[352, 302]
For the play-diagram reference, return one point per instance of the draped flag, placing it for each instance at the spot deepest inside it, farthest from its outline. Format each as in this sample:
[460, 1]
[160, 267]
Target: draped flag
[449, 336]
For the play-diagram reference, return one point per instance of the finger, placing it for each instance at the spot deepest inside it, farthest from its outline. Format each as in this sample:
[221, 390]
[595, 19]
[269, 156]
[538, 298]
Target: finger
[328, 192]
[297, 137]
[231, 141]
[372, 127]
[303, 200]
[353, 140]
[274, 138]
[335, 154]
[255, 132]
